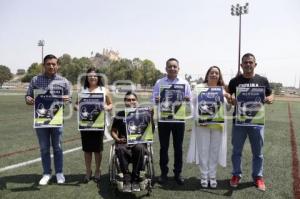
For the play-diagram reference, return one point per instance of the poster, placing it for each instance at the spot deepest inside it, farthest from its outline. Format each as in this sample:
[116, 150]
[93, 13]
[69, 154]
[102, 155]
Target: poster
[210, 105]
[171, 104]
[139, 125]
[48, 108]
[250, 110]
[91, 114]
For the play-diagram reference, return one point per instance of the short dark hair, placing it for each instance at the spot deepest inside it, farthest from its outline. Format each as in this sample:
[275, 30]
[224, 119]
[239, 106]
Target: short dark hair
[100, 79]
[220, 81]
[50, 56]
[248, 55]
[171, 59]
[130, 93]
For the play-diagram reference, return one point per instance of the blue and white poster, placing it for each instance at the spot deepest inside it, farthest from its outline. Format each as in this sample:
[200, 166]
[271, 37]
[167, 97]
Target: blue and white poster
[171, 104]
[139, 125]
[210, 105]
[250, 110]
[48, 108]
[91, 114]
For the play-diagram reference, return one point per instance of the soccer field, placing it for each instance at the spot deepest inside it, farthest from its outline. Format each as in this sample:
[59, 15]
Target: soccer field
[18, 144]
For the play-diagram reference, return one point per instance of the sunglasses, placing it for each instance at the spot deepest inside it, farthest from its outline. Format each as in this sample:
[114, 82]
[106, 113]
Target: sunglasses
[248, 62]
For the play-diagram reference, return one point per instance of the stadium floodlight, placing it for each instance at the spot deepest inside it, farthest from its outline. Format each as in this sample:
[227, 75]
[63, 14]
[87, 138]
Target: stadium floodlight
[41, 43]
[239, 10]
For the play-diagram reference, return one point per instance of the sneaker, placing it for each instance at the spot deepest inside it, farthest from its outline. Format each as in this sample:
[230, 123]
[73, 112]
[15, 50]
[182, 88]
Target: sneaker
[142, 180]
[127, 187]
[120, 185]
[213, 183]
[135, 186]
[235, 180]
[204, 183]
[260, 183]
[60, 178]
[87, 178]
[143, 184]
[45, 179]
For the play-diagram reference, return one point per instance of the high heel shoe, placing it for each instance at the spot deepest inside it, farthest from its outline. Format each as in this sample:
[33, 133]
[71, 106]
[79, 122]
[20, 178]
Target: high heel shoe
[87, 178]
[97, 178]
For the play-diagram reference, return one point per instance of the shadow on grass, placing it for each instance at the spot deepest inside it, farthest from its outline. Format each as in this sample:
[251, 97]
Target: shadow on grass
[193, 184]
[108, 191]
[30, 182]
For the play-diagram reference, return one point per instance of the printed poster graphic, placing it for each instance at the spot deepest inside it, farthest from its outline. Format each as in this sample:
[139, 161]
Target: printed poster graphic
[250, 110]
[48, 108]
[139, 125]
[91, 114]
[210, 105]
[171, 105]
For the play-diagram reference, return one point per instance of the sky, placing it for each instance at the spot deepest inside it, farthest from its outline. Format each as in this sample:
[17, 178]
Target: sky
[198, 33]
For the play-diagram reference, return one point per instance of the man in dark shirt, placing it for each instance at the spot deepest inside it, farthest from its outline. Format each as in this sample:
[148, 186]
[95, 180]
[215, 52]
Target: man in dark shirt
[255, 133]
[128, 153]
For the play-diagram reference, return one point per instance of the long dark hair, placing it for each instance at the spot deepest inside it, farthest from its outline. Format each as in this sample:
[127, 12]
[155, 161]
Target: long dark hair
[100, 78]
[220, 81]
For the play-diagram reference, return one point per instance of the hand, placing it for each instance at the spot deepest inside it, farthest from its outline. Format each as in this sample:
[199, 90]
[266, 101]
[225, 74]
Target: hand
[121, 140]
[269, 99]
[108, 107]
[66, 98]
[76, 107]
[187, 98]
[157, 99]
[227, 96]
[232, 100]
[29, 100]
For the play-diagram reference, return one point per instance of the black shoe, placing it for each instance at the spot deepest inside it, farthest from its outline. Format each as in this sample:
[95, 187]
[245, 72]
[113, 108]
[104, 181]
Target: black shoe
[163, 179]
[179, 180]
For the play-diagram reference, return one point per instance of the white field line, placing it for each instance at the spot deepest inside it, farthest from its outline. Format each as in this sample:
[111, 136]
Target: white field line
[22, 164]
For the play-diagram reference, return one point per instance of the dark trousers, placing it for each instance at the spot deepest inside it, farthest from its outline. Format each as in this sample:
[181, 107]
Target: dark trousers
[164, 131]
[131, 153]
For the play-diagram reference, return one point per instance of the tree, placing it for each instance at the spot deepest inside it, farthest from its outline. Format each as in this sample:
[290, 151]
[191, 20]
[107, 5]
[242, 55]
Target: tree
[32, 71]
[188, 78]
[276, 87]
[149, 73]
[5, 74]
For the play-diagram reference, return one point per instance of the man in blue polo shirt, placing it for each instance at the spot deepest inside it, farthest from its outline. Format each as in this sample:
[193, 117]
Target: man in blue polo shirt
[46, 81]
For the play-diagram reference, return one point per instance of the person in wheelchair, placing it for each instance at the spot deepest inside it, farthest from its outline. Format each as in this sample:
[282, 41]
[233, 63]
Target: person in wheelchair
[128, 153]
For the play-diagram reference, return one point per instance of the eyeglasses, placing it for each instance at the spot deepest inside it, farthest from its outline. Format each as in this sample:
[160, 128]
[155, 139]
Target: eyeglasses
[130, 99]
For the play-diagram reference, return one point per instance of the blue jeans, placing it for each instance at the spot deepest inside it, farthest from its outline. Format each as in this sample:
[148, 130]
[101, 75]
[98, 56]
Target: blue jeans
[256, 138]
[44, 136]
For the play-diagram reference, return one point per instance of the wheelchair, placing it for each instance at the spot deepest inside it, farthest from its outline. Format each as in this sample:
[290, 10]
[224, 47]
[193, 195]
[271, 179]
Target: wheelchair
[116, 176]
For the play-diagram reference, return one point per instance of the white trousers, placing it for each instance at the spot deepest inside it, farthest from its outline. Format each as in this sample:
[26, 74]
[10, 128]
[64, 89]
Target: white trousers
[208, 142]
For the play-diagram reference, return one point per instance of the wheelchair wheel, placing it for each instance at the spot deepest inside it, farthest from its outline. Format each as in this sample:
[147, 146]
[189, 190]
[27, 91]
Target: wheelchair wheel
[150, 169]
[112, 165]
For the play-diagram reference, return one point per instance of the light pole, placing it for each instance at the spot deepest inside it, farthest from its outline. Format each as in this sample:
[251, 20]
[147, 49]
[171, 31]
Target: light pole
[42, 44]
[238, 11]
